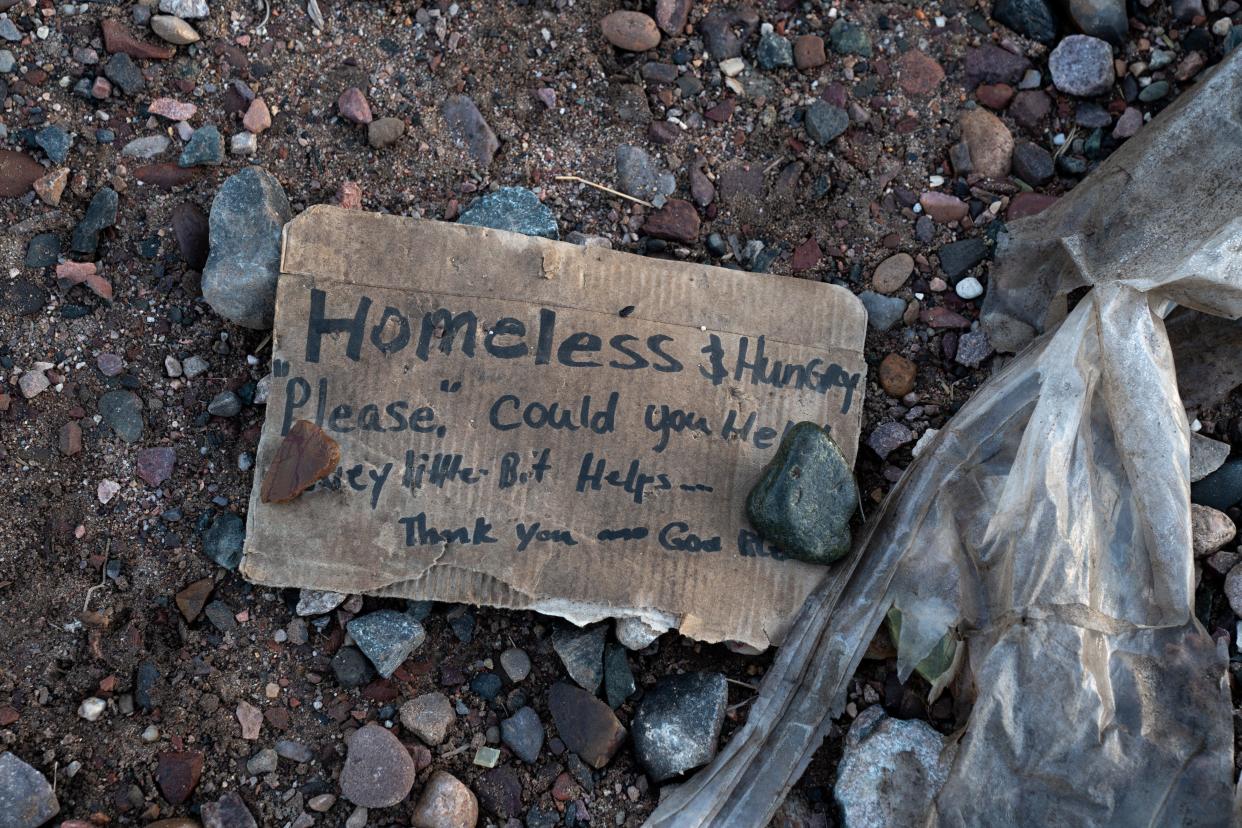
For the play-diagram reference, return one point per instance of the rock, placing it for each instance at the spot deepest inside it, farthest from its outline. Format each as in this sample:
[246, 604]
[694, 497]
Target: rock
[1030, 109]
[995, 95]
[191, 230]
[960, 256]
[69, 274]
[514, 209]
[1233, 589]
[522, 733]
[991, 145]
[385, 132]
[639, 176]
[8, 60]
[26, 798]
[229, 811]
[973, 348]
[224, 539]
[265, 761]
[1130, 122]
[585, 724]
[145, 681]
[353, 106]
[91, 709]
[251, 720]
[429, 717]
[387, 637]
[351, 667]
[124, 73]
[677, 724]
[500, 791]
[258, 117]
[100, 215]
[224, 404]
[888, 437]
[146, 147]
[992, 64]
[630, 30]
[676, 221]
[774, 52]
[884, 756]
[192, 599]
[70, 438]
[469, 128]
[825, 122]
[883, 312]
[122, 412]
[582, 653]
[318, 602]
[205, 148]
[1082, 66]
[50, 187]
[1154, 92]
[1032, 18]
[943, 207]
[619, 682]
[9, 30]
[919, 73]
[1184, 11]
[634, 633]
[18, 173]
[671, 15]
[43, 250]
[185, 9]
[445, 803]
[1210, 530]
[155, 465]
[33, 383]
[118, 39]
[294, 751]
[808, 52]
[897, 375]
[1104, 19]
[173, 30]
[516, 664]
[54, 141]
[1206, 456]
[177, 774]
[378, 770]
[165, 176]
[849, 39]
[968, 288]
[725, 30]
[1033, 164]
[239, 279]
[805, 497]
[1028, 204]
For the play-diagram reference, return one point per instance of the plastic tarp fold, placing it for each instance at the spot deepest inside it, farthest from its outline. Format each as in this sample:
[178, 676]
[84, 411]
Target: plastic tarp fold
[1048, 524]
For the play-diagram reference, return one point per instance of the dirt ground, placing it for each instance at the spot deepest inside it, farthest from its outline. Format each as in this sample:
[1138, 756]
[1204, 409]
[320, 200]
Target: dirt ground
[87, 587]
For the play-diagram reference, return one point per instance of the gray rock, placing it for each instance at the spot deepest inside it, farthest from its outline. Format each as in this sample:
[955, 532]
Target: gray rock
[247, 215]
[1233, 589]
[522, 733]
[148, 146]
[125, 74]
[973, 348]
[204, 149]
[888, 437]
[26, 798]
[774, 51]
[960, 256]
[677, 724]
[1033, 164]
[384, 132]
[883, 312]
[55, 142]
[849, 39]
[725, 30]
[265, 761]
[1032, 18]
[515, 209]
[638, 175]
[619, 682]
[224, 404]
[194, 366]
[516, 664]
[351, 667]
[634, 633]
[318, 601]
[1206, 456]
[824, 122]
[224, 539]
[890, 772]
[379, 772]
[1220, 489]
[9, 30]
[100, 215]
[229, 811]
[585, 724]
[429, 717]
[582, 653]
[469, 127]
[122, 412]
[387, 637]
[294, 751]
[1082, 65]
[7, 61]
[185, 9]
[43, 250]
[1210, 529]
[1104, 19]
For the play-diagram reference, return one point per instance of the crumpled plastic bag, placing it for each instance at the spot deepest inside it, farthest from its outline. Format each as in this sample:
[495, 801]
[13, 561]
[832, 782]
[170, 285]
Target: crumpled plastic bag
[1048, 524]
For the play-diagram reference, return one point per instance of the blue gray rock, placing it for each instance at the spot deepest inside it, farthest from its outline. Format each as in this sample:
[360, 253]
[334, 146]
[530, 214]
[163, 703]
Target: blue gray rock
[100, 215]
[677, 724]
[26, 798]
[247, 215]
[224, 539]
[9, 30]
[7, 61]
[774, 51]
[224, 404]
[582, 653]
[148, 146]
[470, 128]
[387, 637]
[205, 148]
[43, 250]
[960, 256]
[55, 142]
[522, 733]
[639, 175]
[619, 682]
[1082, 66]
[122, 412]
[351, 667]
[1032, 18]
[825, 122]
[486, 685]
[849, 39]
[1220, 489]
[125, 74]
[515, 209]
[883, 312]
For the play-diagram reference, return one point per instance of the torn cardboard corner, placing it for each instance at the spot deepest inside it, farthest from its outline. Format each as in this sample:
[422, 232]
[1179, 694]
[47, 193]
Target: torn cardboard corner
[530, 424]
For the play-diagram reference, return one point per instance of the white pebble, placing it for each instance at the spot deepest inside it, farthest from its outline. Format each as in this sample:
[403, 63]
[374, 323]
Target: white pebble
[151, 734]
[732, 67]
[969, 288]
[91, 709]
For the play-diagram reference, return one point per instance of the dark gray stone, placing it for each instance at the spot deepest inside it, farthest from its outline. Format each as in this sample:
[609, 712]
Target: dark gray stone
[145, 681]
[125, 74]
[805, 497]
[122, 412]
[1033, 164]
[585, 724]
[824, 122]
[1082, 66]
[296, 751]
[387, 637]
[960, 256]
[500, 792]
[677, 724]
[224, 539]
[486, 686]
[973, 348]
[849, 39]
[522, 733]
[883, 312]
[639, 175]
[1220, 489]
[100, 215]
[1105, 19]
[582, 653]
[468, 125]
[888, 437]
[43, 250]
[726, 30]
[351, 667]
[247, 215]
[229, 811]
[224, 404]
[619, 682]
[514, 209]
[55, 142]
[1032, 18]
[1091, 115]
[774, 51]
[205, 148]
[992, 64]
[26, 798]
[221, 616]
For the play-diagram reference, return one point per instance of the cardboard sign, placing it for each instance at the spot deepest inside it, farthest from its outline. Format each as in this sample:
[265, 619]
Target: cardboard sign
[531, 424]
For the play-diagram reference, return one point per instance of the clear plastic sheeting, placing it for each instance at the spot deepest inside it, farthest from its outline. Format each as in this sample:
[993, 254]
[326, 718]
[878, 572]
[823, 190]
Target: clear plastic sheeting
[1048, 524]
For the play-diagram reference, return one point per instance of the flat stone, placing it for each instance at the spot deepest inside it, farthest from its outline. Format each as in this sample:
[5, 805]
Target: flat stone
[54, 141]
[585, 724]
[676, 221]
[244, 144]
[155, 465]
[229, 811]
[318, 602]
[204, 149]
[883, 312]
[918, 73]
[146, 147]
[995, 95]
[224, 404]
[43, 250]
[1030, 108]
[69, 440]
[119, 39]
[379, 771]
[1210, 529]
[890, 772]
[258, 117]
[224, 539]
[888, 437]
[516, 664]
[639, 175]
[470, 129]
[125, 74]
[1033, 164]
[825, 122]
[500, 792]
[173, 30]
[166, 176]
[1206, 456]
[191, 229]
[514, 209]
[774, 52]
[897, 375]
[991, 144]
[1029, 204]
[186, 9]
[177, 774]
[351, 667]
[293, 751]
[251, 720]
[725, 30]
[192, 599]
[445, 802]
[849, 39]
[1130, 122]
[677, 724]
[122, 412]
[522, 733]
[429, 717]
[942, 207]
[619, 682]
[992, 64]
[18, 173]
[49, 188]
[1033, 18]
[973, 347]
[247, 216]
[960, 256]
[805, 497]
[385, 132]
[582, 653]
[809, 52]
[100, 215]
[630, 30]
[26, 797]
[265, 761]
[387, 637]
[353, 106]
[1233, 589]
[1082, 66]
[9, 30]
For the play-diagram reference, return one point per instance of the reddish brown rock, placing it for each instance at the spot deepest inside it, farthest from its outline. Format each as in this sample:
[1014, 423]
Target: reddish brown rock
[995, 95]
[1030, 108]
[171, 109]
[306, 455]
[69, 274]
[809, 52]
[155, 465]
[943, 207]
[51, 187]
[892, 273]
[70, 438]
[177, 774]
[1028, 204]
[991, 145]
[585, 724]
[166, 175]
[676, 221]
[119, 39]
[258, 117]
[806, 255]
[193, 598]
[942, 317]
[919, 73]
[353, 106]
[349, 195]
[897, 375]
[18, 173]
[630, 30]
[671, 15]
